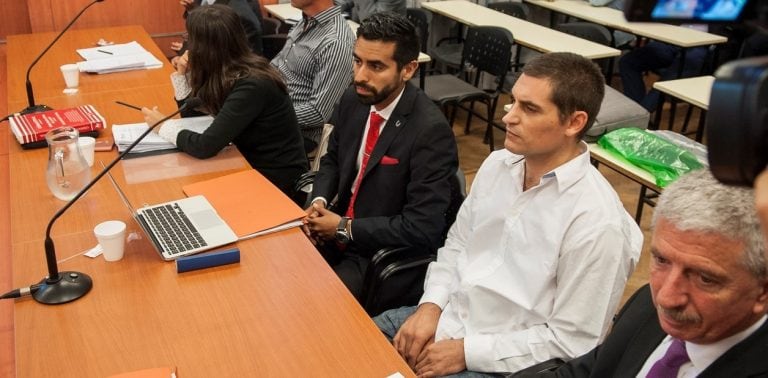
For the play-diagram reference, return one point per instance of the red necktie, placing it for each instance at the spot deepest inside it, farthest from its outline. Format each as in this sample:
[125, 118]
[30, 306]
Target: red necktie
[370, 142]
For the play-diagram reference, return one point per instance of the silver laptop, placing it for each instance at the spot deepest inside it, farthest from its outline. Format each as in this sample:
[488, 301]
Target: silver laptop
[181, 227]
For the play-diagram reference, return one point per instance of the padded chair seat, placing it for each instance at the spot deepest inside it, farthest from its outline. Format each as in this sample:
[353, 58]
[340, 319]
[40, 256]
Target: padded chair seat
[449, 88]
[617, 111]
[448, 54]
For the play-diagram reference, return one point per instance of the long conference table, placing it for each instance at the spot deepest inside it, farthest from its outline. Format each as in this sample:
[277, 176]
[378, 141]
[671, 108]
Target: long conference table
[280, 312]
[527, 34]
[614, 19]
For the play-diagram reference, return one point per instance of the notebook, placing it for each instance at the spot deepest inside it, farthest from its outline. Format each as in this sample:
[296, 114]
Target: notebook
[181, 227]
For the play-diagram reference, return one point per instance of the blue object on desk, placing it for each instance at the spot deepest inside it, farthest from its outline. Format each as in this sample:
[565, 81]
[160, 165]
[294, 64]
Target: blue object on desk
[207, 260]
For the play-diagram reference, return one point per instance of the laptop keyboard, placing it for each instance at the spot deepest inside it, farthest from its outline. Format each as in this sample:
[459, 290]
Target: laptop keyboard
[173, 230]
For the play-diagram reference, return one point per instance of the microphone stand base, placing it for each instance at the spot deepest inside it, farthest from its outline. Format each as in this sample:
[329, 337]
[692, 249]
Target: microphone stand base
[69, 287]
[36, 109]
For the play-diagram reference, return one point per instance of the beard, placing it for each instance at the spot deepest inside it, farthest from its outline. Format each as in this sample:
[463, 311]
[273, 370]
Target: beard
[375, 96]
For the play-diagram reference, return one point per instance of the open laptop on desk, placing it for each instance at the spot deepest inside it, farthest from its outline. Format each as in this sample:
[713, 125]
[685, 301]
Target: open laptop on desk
[181, 227]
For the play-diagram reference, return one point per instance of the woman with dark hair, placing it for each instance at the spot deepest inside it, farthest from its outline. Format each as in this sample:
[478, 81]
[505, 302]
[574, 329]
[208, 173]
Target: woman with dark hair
[244, 93]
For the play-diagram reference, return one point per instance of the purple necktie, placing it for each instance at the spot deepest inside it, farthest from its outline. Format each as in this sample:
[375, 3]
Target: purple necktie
[668, 365]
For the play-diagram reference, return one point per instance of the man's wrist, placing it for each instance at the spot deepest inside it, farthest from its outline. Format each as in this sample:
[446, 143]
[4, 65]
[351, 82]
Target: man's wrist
[321, 200]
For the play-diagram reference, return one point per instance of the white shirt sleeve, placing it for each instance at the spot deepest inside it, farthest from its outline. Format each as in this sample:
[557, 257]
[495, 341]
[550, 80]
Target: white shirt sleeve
[181, 88]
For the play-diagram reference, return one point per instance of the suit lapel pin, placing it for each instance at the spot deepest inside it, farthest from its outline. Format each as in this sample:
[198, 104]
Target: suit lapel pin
[397, 123]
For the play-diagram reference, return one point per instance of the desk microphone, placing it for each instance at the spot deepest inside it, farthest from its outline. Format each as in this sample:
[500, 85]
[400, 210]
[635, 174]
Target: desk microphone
[63, 287]
[32, 108]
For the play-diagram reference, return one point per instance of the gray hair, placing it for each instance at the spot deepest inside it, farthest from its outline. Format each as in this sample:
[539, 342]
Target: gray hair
[698, 202]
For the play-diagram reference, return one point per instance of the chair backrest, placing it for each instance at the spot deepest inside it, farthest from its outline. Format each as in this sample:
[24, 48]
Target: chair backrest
[418, 17]
[322, 147]
[587, 30]
[510, 8]
[591, 32]
[395, 276]
[487, 49]
[272, 39]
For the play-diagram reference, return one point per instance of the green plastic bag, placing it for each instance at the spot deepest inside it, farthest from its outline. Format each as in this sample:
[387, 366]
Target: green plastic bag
[662, 158]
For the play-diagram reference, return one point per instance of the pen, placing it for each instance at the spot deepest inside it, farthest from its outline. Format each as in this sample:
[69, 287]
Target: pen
[128, 105]
[105, 52]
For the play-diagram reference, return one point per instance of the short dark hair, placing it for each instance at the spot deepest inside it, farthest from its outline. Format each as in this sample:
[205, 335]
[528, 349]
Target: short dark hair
[577, 83]
[392, 27]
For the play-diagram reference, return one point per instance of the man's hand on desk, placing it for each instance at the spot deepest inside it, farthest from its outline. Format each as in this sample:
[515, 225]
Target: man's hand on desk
[321, 222]
[417, 332]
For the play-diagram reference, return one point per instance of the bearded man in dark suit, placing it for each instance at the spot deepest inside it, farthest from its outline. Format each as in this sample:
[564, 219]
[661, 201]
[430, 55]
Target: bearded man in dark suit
[389, 160]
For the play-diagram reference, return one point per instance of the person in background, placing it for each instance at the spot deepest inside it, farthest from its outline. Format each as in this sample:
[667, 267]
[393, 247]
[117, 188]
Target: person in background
[316, 64]
[250, 19]
[620, 38]
[659, 57]
[359, 10]
[536, 262]
[390, 158]
[704, 313]
[244, 93]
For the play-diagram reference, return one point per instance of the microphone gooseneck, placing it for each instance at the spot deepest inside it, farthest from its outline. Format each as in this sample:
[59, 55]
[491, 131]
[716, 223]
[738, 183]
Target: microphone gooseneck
[63, 287]
[33, 108]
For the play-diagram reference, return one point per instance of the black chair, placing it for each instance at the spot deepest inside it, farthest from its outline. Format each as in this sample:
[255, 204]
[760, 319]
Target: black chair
[536, 370]
[487, 49]
[272, 38]
[420, 20]
[418, 17]
[594, 33]
[395, 276]
[510, 8]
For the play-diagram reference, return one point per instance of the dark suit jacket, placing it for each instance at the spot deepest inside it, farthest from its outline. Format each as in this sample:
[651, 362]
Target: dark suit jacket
[403, 199]
[636, 333]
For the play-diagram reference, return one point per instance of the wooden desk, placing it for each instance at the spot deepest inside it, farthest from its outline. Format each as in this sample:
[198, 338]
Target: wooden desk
[693, 90]
[528, 34]
[46, 77]
[614, 19]
[280, 312]
[630, 171]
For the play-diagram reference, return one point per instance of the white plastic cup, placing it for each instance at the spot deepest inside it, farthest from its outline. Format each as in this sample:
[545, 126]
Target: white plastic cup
[111, 237]
[71, 75]
[87, 145]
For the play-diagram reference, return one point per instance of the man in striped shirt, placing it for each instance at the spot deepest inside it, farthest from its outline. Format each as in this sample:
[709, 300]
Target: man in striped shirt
[316, 64]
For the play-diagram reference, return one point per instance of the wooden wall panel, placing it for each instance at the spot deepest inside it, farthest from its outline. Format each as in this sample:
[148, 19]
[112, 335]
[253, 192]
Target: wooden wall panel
[161, 16]
[15, 18]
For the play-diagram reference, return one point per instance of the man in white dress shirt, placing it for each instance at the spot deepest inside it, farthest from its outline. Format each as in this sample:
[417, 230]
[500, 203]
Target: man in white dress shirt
[536, 262]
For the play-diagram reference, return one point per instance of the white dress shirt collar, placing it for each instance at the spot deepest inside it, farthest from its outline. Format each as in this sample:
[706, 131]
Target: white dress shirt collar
[566, 174]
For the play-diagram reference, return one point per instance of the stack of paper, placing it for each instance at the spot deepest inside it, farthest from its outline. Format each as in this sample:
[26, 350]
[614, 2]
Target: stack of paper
[126, 134]
[117, 58]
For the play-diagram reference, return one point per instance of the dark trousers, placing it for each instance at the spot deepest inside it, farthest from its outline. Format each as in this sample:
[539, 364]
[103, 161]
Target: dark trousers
[350, 265]
[661, 58]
